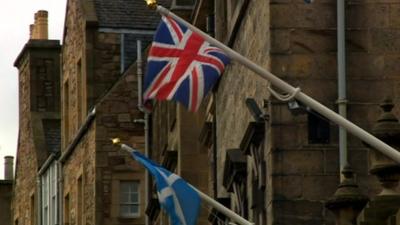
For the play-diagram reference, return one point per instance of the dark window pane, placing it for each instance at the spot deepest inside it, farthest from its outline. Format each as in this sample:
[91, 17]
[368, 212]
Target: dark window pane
[318, 129]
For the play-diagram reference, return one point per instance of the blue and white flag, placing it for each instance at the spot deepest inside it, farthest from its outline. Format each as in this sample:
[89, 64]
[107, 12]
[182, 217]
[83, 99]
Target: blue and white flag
[178, 199]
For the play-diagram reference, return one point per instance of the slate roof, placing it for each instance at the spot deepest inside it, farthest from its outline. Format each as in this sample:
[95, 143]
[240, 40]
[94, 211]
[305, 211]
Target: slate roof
[127, 14]
[130, 47]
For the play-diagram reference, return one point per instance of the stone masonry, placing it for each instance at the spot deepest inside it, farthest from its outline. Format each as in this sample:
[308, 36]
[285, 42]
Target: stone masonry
[303, 52]
[92, 79]
[38, 65]
[297, 42]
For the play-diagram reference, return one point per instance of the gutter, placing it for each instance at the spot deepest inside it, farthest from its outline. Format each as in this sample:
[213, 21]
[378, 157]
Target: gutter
[82, 131]
[46, 164]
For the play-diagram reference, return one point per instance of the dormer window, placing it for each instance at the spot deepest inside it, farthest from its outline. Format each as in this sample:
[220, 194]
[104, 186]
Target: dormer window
[234, 180]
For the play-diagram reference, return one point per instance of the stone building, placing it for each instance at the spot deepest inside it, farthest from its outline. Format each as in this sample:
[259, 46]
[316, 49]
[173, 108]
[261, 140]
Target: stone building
[277, 162]
[6, 188]
[270, 161]
[39, 117]
[73, 99]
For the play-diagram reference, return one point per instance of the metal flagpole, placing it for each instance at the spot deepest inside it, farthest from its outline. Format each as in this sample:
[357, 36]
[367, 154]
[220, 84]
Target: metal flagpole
[307, 100]
[221, 208]
[218, 206]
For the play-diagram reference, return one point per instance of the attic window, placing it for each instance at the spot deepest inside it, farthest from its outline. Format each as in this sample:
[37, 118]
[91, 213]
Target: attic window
[254, 134]
[235, 168]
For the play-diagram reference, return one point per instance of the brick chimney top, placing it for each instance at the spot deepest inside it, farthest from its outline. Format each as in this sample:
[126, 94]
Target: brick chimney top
[39, 30]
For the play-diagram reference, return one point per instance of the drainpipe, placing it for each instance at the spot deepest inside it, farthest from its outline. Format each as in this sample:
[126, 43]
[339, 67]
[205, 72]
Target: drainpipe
[139, 72]
[39, 200]
[342, 101]
[139, 64]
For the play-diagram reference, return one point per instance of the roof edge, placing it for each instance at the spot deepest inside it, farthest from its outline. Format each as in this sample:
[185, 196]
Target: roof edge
[36, 44]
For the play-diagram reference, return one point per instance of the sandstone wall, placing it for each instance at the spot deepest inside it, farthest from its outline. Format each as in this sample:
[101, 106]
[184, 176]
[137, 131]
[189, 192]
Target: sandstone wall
[38, 66]
[238, 82]
[303, 52]
[116, 115]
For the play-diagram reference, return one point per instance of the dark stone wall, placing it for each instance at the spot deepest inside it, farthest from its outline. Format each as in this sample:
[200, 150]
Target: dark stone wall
[5, 201]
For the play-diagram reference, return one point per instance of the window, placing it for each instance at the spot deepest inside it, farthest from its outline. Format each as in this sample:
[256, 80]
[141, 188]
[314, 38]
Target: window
[45, 199]
[129, 199]
[235, 9]
[318, 129]
[53, 200]
[79, 88]
[65, 115]
[80, 201]
[33, 213]
[49, 202]
[66, 210]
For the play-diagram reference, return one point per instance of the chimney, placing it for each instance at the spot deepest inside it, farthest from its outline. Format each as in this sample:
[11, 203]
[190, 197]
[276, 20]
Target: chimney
[8, 167]
[39, 30]
[31, 30]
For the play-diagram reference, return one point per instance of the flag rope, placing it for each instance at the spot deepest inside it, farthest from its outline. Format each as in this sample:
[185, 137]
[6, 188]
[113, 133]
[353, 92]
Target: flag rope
[302, 97]
[281, 97]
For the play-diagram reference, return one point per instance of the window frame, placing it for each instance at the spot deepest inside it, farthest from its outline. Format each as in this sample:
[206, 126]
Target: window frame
[49, 203]
[130, 202]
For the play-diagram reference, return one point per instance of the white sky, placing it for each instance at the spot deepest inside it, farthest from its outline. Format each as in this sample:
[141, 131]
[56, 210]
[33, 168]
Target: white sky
[15, 18]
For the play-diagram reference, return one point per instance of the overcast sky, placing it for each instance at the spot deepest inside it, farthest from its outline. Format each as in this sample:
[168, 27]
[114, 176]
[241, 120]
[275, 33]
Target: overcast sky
[15, 17]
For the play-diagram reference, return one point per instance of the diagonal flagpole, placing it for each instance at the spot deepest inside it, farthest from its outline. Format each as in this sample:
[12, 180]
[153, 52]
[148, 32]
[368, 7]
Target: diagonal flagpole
[294, 92]
[207, 199]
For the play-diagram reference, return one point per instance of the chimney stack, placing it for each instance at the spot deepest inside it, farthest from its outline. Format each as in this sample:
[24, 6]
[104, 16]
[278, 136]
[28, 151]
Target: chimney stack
[8, 167]
[31, 30]
[39, 30]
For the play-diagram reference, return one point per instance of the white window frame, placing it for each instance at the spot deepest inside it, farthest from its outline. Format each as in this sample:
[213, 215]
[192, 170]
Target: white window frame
[129, 202]
[49, 196]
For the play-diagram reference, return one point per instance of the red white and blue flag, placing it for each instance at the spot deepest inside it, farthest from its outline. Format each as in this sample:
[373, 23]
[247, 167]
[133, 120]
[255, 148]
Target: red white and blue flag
[181, 65]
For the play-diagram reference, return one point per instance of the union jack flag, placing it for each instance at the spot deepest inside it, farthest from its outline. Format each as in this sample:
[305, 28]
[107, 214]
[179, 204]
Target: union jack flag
[181, 65]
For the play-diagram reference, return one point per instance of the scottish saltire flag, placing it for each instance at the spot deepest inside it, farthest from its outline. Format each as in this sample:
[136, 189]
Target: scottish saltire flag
[181, 65]
[179, 200]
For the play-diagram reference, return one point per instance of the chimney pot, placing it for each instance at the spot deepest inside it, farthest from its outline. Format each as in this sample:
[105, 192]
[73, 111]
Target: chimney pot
[31, 30]
[40, 27]
[8, 167]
